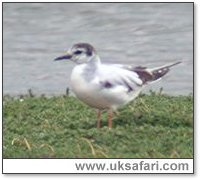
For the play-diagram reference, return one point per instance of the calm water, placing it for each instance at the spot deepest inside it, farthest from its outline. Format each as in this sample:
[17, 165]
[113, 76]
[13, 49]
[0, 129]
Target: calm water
[148, 34]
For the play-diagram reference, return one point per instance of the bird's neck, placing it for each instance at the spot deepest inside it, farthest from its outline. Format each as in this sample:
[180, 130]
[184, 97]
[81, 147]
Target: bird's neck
[94, 61]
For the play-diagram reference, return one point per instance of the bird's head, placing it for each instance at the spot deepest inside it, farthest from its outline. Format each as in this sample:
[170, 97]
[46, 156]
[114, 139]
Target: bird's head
[79, 53]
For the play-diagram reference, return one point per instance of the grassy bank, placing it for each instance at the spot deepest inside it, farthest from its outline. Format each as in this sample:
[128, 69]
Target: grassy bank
[157, 126]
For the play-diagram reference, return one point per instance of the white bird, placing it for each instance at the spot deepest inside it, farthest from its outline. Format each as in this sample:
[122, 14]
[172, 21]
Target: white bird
[107, 86]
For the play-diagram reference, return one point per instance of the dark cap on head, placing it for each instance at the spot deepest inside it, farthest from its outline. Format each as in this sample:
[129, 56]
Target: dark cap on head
[88, 48]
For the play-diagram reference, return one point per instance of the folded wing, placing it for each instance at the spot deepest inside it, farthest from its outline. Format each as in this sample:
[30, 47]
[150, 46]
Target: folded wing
[130, 77]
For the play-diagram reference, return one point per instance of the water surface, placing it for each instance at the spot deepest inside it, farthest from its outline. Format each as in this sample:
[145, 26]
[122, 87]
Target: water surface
[147, 34]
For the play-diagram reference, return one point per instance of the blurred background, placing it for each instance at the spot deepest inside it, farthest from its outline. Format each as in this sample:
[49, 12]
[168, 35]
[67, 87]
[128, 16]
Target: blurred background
[147, 34]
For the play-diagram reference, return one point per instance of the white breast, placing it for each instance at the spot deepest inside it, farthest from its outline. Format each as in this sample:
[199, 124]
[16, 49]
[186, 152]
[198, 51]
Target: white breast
[89, 90]
[86, 91]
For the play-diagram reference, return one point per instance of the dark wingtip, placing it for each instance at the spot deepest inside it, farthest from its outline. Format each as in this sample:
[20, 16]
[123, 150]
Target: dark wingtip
[143, 74]
[146, 76]
[159, 73]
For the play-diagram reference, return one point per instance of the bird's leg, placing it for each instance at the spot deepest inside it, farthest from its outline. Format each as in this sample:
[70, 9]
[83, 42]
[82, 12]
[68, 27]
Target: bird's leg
[98, 118]
[110, 113]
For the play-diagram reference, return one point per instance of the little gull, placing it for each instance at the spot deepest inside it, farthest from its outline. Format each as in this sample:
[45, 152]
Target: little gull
[107, 86]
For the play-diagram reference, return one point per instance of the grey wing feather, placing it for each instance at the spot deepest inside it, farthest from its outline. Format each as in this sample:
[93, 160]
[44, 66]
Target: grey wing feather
[117, 76]
[149, 75]
[132, 77]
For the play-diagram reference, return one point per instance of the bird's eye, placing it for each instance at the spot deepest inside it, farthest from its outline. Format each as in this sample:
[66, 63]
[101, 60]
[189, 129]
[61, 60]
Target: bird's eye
[78, 52]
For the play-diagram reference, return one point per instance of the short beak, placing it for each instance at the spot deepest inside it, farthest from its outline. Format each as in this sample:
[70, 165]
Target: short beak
[67, 56]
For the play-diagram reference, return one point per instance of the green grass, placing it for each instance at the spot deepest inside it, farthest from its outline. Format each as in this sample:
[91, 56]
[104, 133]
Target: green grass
[153, 126]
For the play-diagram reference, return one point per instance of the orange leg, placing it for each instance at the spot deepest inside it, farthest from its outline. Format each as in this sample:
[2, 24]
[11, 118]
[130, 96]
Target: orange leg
[98, 119]
[110, 114]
